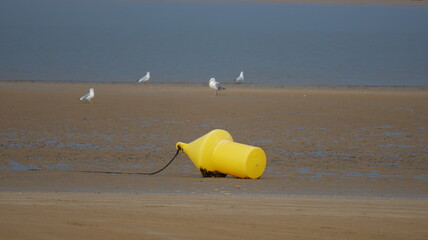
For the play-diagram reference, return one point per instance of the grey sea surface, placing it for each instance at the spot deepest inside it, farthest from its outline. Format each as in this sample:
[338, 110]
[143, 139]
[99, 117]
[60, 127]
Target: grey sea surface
[275, 44]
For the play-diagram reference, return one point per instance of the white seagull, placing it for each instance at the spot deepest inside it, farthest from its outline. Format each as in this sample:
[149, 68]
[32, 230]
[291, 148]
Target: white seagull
[88, 96]
[145, 78]
[240, 78]
[215, 85]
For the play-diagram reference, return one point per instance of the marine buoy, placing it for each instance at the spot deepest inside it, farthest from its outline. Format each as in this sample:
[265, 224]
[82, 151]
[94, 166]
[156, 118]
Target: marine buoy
[216, 155]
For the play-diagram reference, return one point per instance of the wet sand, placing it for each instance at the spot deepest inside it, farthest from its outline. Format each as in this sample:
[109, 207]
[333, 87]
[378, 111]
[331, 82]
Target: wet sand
[324, 145]
[325, 141]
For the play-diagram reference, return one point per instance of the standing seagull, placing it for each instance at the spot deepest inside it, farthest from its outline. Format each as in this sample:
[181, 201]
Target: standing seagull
[88, 96]
[215, 85]
[240, 78]
[145, 78]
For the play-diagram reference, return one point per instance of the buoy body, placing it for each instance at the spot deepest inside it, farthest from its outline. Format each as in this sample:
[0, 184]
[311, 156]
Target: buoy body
[216, 155]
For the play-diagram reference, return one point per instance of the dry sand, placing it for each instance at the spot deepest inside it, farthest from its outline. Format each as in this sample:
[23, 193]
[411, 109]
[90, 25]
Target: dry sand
[326, 143]
[165, 216]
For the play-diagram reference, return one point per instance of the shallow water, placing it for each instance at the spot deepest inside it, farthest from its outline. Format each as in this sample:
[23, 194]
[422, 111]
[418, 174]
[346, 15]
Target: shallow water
[189, 42]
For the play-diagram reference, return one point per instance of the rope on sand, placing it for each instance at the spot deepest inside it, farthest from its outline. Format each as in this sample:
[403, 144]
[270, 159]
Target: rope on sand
[130, 173]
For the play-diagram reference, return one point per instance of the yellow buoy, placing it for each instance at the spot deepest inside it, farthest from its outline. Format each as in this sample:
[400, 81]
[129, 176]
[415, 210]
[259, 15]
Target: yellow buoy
[216, 155]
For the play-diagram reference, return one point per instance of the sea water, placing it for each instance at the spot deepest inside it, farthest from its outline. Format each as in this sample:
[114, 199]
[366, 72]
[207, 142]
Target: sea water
[280, 44]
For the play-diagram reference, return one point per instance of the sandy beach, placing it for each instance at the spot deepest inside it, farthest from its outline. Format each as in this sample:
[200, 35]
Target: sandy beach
[342, 163]
[169, 216]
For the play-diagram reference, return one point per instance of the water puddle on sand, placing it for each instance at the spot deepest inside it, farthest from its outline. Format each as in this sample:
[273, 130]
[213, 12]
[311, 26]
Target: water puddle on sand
[122, 166]
[398, 146]
[320, 174]
[304, 170]
[394, 133]
[172, 122]
[62, 166]
[54, 144]
[273, 171]
[17, 166]
[313, 173]
[317, 174]
[372, 175]
[298, 156]
[92, 164]
[386, 126]
[422, 177]
[13, 165]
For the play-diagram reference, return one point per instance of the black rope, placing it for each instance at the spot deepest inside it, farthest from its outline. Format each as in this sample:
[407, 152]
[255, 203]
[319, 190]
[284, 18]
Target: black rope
[137, 173]
[130, 173]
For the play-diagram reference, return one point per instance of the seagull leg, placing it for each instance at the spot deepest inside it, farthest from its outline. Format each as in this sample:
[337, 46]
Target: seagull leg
[90, 101]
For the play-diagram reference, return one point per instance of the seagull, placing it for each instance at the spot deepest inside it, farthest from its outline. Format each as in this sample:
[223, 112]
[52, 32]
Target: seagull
[145, 78]
[88, 96]
[215, 85]
[240, 78]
